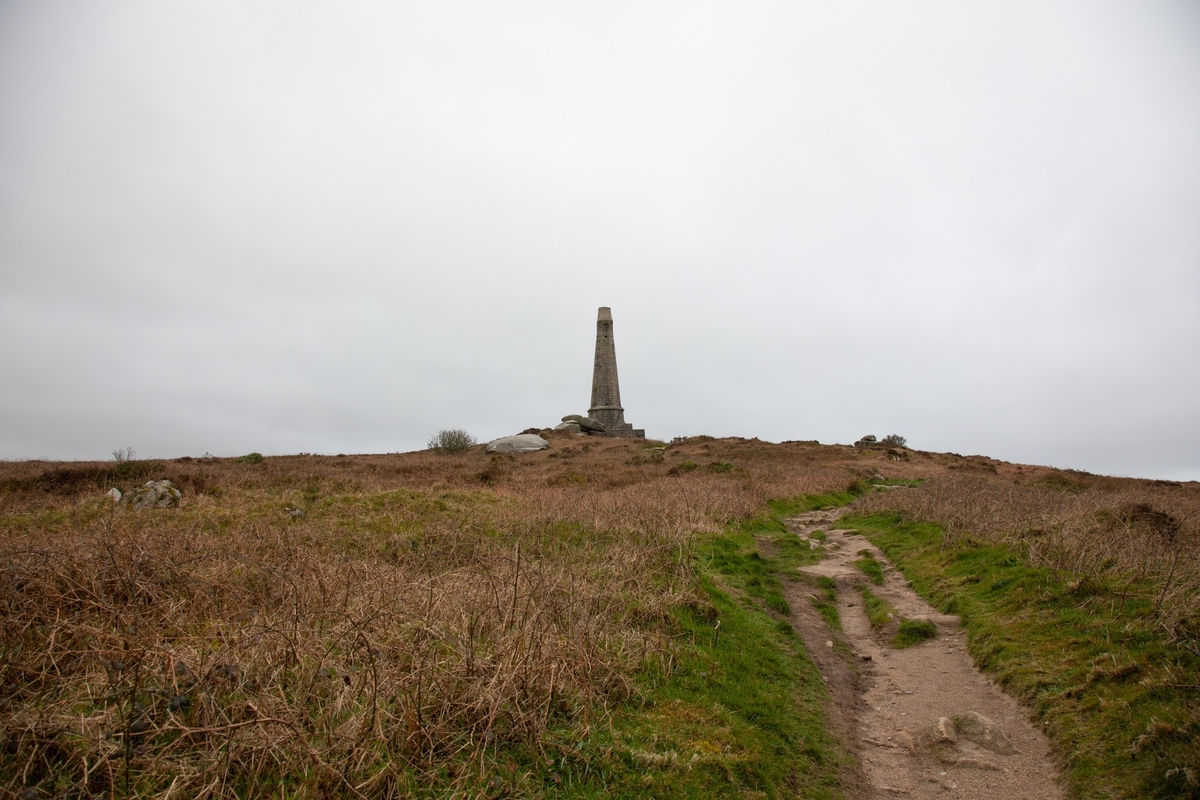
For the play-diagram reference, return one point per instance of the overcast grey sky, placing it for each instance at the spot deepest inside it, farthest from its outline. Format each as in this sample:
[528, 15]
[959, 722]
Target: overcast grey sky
[339, 227]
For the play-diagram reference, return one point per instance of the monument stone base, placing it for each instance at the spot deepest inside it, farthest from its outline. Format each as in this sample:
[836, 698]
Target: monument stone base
[613, 419]
[629, 432]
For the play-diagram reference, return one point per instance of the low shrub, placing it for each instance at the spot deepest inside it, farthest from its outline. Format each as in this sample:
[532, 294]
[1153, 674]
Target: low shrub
[450, 442]
[124, 454]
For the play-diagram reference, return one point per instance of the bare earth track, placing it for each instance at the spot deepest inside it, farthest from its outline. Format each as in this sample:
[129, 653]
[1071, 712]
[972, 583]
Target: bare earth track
[907, 713]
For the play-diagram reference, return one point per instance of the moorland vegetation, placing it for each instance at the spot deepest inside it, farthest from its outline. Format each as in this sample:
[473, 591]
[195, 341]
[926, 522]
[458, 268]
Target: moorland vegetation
[600, 618]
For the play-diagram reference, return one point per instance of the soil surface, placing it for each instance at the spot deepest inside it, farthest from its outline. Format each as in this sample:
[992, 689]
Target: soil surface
[922, 721]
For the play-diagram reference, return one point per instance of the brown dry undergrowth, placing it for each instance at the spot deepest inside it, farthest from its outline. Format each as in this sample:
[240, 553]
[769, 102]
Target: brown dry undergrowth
[1145, 532]
[423, 615]
[427, 616]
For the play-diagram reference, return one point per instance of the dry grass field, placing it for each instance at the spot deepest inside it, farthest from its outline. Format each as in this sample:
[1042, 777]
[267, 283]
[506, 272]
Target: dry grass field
[390, 625]
[1093, 528]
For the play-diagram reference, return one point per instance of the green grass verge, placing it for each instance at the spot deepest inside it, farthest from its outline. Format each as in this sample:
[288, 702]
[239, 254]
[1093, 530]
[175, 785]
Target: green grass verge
[1119, 704]
[740, 714]
[739, 711]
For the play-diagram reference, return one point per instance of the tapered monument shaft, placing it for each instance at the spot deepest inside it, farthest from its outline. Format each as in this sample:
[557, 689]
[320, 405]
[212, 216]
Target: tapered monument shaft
[606, 389]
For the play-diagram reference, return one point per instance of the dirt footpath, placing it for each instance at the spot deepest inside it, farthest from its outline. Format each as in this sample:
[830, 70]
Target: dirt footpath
[923, 722]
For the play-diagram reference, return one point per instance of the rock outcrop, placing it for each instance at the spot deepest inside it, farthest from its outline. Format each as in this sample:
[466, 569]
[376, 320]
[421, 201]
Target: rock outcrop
[154, 494]
[521, 443]
[586, 424]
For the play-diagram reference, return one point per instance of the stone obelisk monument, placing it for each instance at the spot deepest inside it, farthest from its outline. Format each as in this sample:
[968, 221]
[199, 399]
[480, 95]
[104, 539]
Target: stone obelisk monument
[606, 391]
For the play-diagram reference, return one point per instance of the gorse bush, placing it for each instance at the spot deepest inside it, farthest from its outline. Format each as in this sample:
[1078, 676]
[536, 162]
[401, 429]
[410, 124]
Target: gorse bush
[894, 440]
[451, 441]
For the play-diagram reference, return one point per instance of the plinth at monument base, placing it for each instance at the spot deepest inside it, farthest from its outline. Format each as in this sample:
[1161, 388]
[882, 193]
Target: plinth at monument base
[614, 423]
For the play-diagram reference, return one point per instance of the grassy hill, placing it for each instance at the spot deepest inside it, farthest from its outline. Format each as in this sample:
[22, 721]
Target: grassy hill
[597, 619]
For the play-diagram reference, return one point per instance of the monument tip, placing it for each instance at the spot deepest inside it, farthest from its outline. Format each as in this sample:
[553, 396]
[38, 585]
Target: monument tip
[605, 314]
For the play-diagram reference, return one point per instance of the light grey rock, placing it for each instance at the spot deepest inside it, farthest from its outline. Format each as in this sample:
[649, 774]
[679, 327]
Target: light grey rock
[587, 423]
[521, 443]
[570, 427]
[981, 731]
[114, 494]
[154, 494]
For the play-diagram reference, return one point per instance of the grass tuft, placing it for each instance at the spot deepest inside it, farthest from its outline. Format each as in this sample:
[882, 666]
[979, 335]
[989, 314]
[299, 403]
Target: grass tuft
[913, 631]
[826, 602]
[870, 567]
[879, 611]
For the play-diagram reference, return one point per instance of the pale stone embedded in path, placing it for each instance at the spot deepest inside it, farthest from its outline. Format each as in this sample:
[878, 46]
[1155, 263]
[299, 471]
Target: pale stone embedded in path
[976, 728]
[943, 731]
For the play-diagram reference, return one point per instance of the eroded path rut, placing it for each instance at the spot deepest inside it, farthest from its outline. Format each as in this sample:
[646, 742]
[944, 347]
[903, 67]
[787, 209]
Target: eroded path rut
[923, 721]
